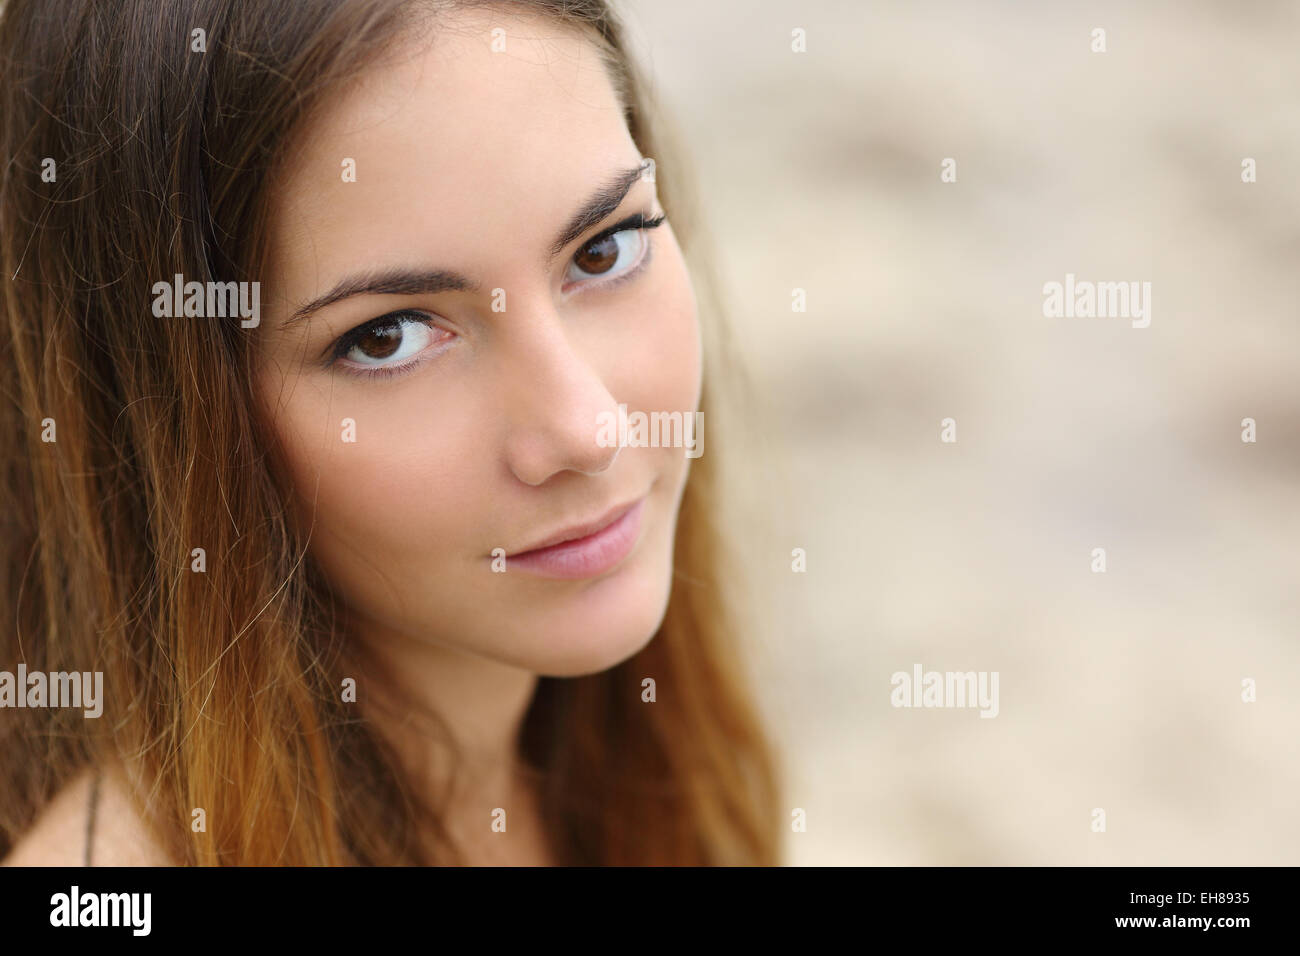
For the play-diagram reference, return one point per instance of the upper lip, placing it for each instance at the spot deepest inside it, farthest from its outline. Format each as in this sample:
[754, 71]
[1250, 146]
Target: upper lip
[573, 532]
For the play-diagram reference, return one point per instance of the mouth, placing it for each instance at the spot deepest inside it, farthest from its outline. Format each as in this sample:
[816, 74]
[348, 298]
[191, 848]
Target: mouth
[584, 550]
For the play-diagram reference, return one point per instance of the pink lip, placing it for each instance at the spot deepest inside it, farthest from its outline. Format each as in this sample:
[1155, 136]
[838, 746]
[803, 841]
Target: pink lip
[584, 551]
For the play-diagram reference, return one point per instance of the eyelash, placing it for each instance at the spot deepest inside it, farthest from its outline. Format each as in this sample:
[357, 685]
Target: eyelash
[348, 339]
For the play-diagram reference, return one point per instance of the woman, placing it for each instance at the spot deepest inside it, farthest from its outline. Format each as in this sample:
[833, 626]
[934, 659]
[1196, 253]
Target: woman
[313, 311]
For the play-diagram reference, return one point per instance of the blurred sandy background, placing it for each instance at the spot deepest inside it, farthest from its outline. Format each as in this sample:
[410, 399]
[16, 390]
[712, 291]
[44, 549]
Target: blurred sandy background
[1119, 690]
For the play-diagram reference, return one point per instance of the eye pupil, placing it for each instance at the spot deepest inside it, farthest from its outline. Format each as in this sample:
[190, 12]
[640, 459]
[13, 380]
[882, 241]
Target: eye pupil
[381, 342]
[599, 256]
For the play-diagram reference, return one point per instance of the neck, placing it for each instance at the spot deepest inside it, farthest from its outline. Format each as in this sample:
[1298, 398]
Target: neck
[454, 721]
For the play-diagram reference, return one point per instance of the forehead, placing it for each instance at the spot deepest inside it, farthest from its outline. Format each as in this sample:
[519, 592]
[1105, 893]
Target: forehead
[456, 142]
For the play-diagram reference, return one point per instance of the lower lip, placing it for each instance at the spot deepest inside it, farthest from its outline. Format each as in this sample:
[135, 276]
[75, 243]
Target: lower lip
[583, 557]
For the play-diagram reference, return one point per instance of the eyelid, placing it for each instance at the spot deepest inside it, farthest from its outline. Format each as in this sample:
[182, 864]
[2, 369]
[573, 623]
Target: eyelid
[638, 220]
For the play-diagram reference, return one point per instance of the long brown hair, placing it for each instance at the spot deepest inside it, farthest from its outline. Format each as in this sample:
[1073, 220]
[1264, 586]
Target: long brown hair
[125, 158]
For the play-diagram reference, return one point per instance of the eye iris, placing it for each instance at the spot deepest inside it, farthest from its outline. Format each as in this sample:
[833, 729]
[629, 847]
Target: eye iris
[598, 256]
[381, 342]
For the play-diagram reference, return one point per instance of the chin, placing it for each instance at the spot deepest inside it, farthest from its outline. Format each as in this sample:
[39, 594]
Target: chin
[605, 623]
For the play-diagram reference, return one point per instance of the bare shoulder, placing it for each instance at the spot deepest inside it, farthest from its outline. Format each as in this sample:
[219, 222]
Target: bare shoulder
[58, 836]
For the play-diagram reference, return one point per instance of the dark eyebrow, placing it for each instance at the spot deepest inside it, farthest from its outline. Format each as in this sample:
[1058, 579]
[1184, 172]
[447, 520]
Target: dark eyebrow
[401, 281]
[388, 282]
[603, 202]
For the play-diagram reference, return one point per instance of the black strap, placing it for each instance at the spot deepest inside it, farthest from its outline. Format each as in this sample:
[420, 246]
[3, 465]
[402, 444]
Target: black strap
[90, 818]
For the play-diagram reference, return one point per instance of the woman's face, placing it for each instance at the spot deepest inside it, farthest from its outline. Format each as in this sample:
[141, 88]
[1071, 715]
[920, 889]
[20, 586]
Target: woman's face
[470, 425]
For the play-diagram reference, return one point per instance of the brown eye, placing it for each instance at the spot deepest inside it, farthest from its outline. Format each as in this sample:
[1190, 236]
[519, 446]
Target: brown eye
[615, 255]
[598, 257]
[387, 343]
[380, 343]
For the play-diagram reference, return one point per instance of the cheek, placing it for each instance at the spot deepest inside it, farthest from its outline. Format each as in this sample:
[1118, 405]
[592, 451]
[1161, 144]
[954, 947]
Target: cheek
[382, 491]
[662, 347]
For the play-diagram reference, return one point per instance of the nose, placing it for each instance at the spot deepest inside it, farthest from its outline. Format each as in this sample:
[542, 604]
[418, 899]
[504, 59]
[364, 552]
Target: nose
[556, 399]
